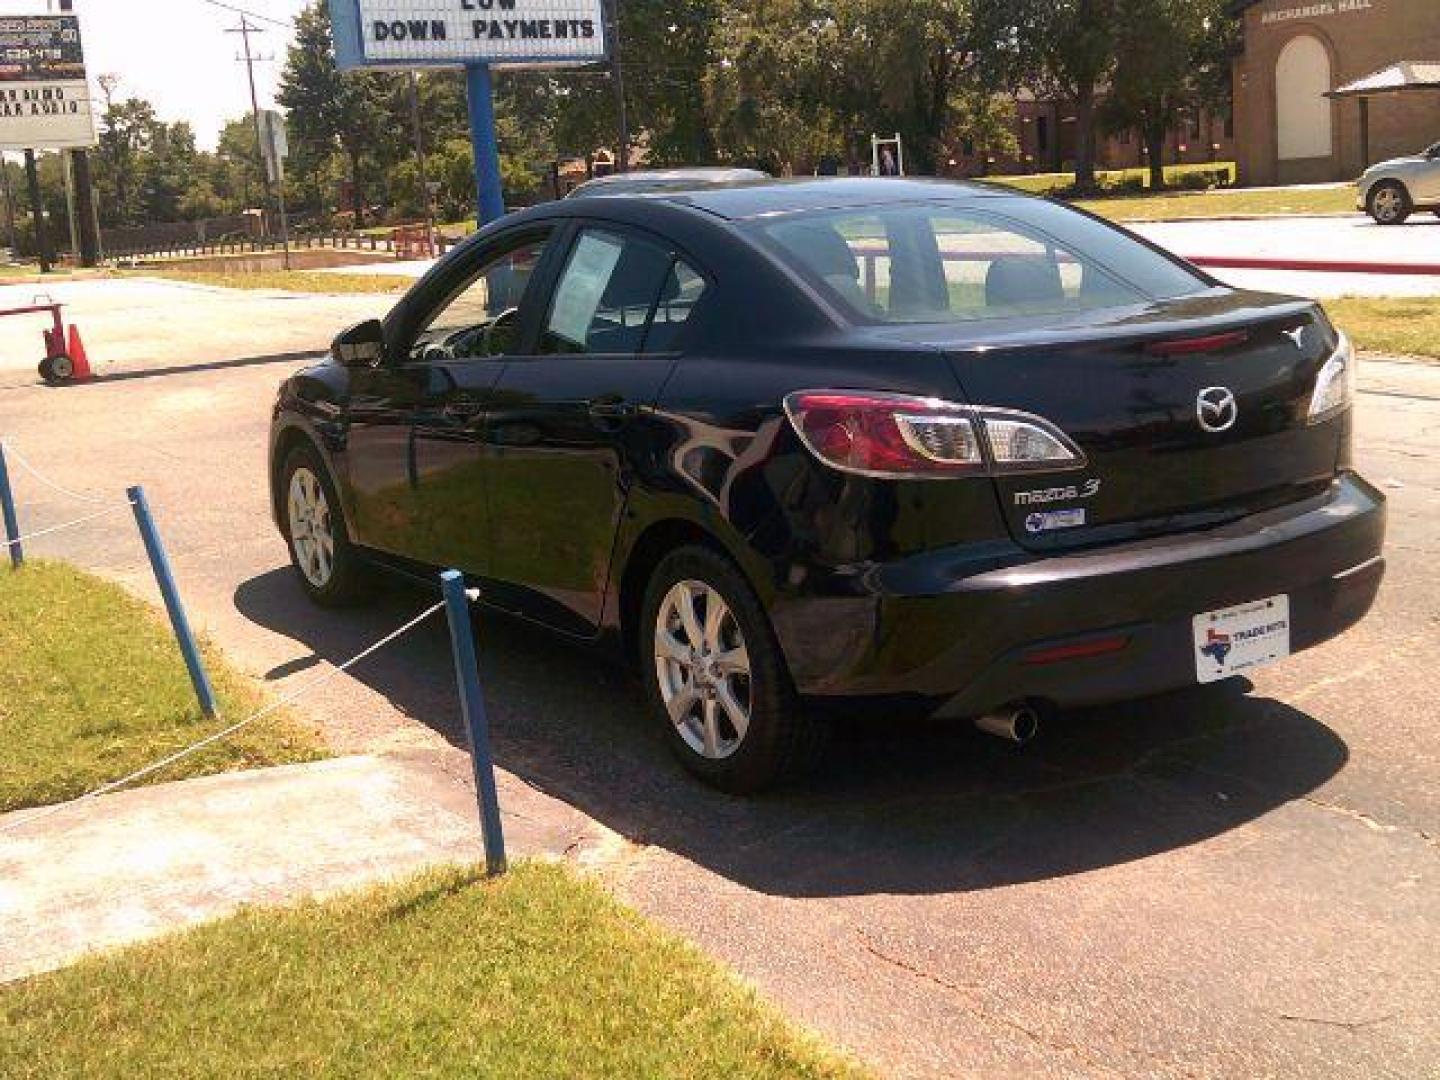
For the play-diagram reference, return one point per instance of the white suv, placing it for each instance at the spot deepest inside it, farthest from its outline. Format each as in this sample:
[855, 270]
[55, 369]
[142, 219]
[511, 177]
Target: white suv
[1390, 191]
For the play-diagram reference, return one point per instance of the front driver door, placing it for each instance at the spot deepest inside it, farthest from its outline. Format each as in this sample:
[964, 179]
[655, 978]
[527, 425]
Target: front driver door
[567, 424]
[457, 356]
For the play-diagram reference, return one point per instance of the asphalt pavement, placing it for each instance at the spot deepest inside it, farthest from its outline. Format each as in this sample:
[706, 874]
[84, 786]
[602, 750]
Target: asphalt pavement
[1239, 881]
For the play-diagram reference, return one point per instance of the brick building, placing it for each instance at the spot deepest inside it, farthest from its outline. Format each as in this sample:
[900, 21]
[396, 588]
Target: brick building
[1289, 129]
[1045, 137]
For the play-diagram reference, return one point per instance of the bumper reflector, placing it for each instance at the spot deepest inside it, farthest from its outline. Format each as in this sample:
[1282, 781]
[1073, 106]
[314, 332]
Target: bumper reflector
[1076, 650]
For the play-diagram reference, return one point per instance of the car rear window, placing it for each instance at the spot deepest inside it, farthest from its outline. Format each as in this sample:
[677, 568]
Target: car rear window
[954, 264]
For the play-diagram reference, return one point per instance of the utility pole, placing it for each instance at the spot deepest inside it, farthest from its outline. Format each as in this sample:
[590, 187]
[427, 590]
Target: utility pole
[37, 208]
[9, 204]
[617, 78]
[245, 29]
[420, 161]
[84, 224]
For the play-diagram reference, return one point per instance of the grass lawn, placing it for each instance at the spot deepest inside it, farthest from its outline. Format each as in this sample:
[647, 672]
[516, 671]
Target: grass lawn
[291, 280]
[537, 974]
[92, 686]
[1045, 183]
[1222, 202]
[1399, 325]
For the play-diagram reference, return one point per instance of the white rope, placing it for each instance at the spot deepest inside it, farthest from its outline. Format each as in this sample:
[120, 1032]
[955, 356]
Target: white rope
[67, 525]
[19, 458]
[224, 733]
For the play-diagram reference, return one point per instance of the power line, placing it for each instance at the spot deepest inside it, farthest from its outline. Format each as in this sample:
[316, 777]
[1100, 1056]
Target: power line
[287, 23]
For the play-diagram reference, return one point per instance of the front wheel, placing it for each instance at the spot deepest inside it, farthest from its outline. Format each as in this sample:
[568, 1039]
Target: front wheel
[1388, 203]
[329, 568]
[716, 679]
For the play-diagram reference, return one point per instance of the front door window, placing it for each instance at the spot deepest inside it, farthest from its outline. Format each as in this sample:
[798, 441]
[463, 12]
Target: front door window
[481, 319]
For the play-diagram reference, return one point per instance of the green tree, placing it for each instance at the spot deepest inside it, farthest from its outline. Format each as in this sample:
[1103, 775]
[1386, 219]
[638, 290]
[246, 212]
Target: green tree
[1173, 57]
[794, 80]
[333, 113]
[1069, 48]
[127, 132]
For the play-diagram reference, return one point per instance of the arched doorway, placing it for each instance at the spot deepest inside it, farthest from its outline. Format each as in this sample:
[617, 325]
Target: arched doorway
[1302, 112]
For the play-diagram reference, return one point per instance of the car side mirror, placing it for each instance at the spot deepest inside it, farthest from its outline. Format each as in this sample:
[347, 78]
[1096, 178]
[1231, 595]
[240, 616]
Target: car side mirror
[362, 345]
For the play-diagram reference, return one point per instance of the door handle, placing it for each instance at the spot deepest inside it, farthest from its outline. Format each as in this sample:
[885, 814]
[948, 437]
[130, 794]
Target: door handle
[463, 408]
[611, 409]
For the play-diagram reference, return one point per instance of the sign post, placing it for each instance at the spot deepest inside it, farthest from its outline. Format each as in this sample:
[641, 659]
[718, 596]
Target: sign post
[275, 148]
[479, 35]
[480, 96]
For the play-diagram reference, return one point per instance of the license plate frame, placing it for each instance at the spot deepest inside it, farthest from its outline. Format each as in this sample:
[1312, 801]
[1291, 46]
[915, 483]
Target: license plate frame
[1232, 640]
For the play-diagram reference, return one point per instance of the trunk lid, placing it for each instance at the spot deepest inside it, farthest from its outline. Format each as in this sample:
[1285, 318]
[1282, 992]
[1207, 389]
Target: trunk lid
[1127, 387]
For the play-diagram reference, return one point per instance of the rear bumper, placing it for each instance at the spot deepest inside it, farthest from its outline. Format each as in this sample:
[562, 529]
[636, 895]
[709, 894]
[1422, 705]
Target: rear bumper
[959, 629]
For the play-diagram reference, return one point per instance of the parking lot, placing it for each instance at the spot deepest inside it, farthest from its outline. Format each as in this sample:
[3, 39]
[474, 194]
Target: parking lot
[1242, 881]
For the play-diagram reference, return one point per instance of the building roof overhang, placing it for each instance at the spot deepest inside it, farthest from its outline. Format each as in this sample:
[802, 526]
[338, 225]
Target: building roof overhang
[1398, 78]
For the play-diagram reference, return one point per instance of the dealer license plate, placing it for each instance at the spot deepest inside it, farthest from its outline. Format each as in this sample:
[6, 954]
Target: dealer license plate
[1236, 639]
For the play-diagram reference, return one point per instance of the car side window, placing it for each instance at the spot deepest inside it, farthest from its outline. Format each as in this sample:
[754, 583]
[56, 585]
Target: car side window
[679, 296]
[605, 294]
[481, 318]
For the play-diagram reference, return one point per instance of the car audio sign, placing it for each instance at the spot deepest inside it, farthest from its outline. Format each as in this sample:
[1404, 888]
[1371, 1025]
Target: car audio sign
[44, 97]
[415, 33]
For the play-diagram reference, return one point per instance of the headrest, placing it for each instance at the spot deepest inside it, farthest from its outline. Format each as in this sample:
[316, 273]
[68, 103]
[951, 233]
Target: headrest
[1018, 280]
[819, 247]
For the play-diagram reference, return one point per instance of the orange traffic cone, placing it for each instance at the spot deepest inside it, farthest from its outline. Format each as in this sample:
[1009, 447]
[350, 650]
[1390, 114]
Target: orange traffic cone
[78, 357]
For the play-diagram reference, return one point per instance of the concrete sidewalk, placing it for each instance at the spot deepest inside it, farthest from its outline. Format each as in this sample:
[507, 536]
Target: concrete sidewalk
[139, 863]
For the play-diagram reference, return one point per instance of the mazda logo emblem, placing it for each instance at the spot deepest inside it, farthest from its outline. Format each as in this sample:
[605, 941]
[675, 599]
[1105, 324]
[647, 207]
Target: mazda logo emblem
[1216, 409]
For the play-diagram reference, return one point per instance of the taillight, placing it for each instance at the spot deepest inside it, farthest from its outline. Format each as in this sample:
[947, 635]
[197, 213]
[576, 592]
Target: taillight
[900, 435]
[1335, 385]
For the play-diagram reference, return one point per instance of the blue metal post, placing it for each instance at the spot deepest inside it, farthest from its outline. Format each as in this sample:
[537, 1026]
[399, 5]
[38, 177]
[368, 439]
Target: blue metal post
[7, 510]
[477, 727]
[160, 562]
[482, 139]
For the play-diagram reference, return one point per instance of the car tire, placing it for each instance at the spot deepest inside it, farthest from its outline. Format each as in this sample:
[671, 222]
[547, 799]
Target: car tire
[313, 522]
[1388, 203]
[700, 696]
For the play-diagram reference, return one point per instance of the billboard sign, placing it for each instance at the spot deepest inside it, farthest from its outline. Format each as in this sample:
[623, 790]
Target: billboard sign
[454, 33]
[44, 96]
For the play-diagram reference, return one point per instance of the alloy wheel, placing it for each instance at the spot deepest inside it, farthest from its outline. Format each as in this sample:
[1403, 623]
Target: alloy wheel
[1387, 204]
[311, 529]
[703, 668]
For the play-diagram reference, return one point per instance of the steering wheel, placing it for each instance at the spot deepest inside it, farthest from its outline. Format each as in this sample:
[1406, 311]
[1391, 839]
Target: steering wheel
[486, 340]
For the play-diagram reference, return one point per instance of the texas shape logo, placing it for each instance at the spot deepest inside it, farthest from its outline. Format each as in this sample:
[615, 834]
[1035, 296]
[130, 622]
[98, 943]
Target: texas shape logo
[1217, 646]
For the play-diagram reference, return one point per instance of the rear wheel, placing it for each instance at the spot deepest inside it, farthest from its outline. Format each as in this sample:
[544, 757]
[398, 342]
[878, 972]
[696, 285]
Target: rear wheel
[1388, 203]
[715, 676]
[329, 568]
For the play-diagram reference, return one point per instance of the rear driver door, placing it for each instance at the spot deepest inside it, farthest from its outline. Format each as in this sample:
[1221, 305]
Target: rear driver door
[568, 424]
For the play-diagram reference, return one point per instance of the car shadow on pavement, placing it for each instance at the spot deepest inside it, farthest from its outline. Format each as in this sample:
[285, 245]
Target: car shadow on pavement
[894, 807]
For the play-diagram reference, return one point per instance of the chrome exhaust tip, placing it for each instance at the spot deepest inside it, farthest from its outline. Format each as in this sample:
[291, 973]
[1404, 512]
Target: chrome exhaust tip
[1018, 723]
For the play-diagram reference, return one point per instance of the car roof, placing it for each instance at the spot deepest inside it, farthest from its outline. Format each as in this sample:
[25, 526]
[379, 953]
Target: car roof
[686, 172]
[763, 197]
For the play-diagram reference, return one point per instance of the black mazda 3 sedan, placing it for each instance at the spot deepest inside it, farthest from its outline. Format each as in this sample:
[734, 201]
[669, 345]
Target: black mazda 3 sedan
[912, 443]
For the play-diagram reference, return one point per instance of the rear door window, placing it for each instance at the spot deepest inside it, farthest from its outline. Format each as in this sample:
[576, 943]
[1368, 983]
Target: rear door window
[605, 295]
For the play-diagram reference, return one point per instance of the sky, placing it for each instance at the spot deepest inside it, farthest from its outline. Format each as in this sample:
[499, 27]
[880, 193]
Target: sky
[176, 54]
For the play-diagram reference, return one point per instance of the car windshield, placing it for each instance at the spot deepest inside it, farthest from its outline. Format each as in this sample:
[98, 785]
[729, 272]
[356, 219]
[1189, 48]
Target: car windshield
[957, 263]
